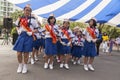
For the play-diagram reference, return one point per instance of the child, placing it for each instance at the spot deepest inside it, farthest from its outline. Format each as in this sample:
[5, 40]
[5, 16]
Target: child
[105, 43]
[26, 28]
[36, 46]
[50, 42]
[90, 35]
[77, 47]
[65, 40]
[111, 43]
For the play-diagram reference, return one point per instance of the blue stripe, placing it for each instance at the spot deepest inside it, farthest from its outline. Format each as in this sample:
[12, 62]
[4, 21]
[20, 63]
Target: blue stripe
[111, 10]
[36, 4]
[86, 11]
[118, 25]
[73, 4]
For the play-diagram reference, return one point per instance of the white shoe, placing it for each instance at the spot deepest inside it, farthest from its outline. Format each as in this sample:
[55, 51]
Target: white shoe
[24, 69]
[61, 65]
[51, 66]
[58, 61]
[45, 65]
[66, 66]
[36, 58]
[78, 62]
[74, 62]
[19, 70]
[91, 67]
[85, 67]
[32, 61]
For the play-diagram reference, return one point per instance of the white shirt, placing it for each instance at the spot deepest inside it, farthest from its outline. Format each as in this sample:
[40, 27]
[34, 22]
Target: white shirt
[39, 34]
[118, 40]
[76, 41]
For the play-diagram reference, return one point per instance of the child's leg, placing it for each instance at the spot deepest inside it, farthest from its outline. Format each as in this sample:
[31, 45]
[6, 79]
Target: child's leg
[85, 60]
[90, 64]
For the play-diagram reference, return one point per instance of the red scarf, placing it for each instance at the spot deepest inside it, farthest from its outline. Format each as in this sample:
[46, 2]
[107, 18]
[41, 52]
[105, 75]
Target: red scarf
[91, 32]
[79, 38]
[54, 38]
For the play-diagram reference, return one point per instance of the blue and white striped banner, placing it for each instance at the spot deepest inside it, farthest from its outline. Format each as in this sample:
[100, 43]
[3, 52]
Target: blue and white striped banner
[105, 11]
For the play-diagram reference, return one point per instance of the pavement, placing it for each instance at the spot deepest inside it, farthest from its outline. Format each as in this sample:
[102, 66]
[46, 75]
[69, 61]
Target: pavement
[106, 68]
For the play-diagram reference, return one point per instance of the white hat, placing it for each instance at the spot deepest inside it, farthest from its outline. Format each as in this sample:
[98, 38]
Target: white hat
[94, 19]
[28, 5]
[52, 14]
[66, 20]
[76, 27]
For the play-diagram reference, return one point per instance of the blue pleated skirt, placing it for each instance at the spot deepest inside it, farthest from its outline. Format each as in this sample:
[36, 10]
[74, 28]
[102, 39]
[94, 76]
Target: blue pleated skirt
[37, 44]
[24, 43]
[77, 51]
[89, 49]
[59, 47]
[43, 42]
[50, 48]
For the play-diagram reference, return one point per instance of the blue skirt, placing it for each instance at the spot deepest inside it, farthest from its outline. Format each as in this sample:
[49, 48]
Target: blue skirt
[43, 43]
[89, 49]
[50, 48]
[59, 47]
[65, 49]
[77, 51]
[37, 44]
[24, 43]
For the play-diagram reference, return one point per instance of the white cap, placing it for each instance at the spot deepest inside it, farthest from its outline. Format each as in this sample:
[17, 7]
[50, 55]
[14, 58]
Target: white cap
[28, 5]
[94, 19]
[51, 14]
[66, 20]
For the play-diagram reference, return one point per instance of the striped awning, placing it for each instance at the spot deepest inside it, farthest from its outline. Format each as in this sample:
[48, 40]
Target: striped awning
[105, 11]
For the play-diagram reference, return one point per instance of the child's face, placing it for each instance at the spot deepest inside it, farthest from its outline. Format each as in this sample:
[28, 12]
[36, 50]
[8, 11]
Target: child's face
[66, 24]
[91, 23]
[52, 21]
[78, 33]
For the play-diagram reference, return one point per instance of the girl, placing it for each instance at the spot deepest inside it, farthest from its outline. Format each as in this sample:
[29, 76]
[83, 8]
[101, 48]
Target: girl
[26, 28]
[50, 42]
[65, 40]
[77, 47]
[90, 48]
[111, 44]
[105, 43]
[36, 46]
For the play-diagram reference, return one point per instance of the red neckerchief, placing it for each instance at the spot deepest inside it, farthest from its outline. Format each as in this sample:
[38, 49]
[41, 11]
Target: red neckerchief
[52, 26]
[79, 38]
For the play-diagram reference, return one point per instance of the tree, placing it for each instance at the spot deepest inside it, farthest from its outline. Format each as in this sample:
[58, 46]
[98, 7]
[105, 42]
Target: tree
[16, 14]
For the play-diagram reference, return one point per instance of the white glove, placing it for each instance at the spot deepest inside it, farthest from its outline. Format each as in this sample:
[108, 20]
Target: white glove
[94, 40]
[63, 43]
[76, 43]
[29, 33]
[89, 40]
[69, 43]
[81, 44]
[19, 32]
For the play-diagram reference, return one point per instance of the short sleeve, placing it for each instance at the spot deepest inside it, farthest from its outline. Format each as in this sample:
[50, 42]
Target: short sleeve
[84, 32]
[34, 23]
[17, 22]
